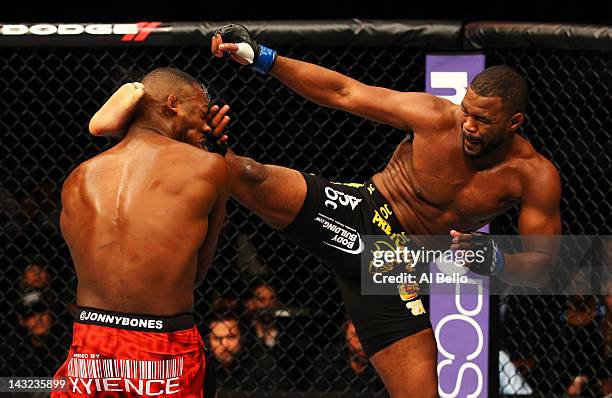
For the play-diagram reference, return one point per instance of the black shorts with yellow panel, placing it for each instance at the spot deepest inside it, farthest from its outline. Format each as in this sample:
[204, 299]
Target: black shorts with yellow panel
[330, 224]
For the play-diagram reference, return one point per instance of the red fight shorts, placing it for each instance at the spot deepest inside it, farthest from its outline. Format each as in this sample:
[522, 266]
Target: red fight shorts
[131, 355]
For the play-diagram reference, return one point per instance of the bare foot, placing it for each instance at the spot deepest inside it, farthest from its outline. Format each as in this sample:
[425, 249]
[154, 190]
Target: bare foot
[115, 115]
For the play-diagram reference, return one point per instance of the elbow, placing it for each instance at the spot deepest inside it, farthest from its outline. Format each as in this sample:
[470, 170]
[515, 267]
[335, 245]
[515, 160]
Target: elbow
[341, 98]
[337, 95]
[100, 127]
[94, 128]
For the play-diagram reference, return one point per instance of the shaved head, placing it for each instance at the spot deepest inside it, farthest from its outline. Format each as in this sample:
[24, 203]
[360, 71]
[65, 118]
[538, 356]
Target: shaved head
[161, 82]
[502, 81]
[165, 86]
[175, 104]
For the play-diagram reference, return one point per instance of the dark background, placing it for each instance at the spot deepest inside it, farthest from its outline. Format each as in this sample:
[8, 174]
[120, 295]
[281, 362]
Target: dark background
[566, 11]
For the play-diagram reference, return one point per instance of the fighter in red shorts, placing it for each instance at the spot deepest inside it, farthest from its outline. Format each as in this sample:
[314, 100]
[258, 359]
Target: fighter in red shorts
[142, 221]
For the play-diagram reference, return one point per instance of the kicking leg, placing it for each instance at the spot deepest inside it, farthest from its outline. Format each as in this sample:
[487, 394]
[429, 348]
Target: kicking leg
[274, 193]
[408, 366]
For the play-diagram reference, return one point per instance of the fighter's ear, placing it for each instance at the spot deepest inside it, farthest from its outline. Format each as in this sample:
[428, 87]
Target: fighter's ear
[516, 120]
[171, 105]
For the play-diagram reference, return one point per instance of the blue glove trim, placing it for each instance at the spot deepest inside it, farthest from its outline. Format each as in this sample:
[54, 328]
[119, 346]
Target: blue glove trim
[265, 60]
[499, 262]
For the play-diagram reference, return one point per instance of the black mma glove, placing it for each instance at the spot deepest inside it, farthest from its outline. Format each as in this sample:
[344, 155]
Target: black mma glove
[260, 57]
[493, 263]
[211, 144]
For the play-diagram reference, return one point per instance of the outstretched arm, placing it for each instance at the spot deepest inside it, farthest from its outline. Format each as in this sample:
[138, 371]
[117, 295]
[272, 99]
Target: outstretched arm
[404, 110]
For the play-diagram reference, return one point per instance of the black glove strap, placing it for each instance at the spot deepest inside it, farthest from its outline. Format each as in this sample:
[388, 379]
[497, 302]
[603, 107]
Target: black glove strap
[211, 145]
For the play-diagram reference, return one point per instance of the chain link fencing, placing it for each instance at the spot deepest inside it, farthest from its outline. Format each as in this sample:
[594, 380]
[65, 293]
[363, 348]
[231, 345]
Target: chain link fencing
[553, 340]
[258, 278]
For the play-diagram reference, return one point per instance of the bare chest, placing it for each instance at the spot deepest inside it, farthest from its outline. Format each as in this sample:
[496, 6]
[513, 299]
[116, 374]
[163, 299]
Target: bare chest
[447, 188]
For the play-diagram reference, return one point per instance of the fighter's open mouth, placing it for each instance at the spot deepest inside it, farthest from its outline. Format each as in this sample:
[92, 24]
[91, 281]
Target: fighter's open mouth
[471, 141]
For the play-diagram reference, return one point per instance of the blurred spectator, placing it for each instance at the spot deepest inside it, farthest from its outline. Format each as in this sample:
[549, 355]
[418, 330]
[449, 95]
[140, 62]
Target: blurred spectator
[34, 277]
[38, 326]
[269, 343]
[225, 343]
[357, 358]
[584, 343]
[346, 368]
[588, 329]
[261, 308]
[34, 350]
[233, 369]
[35, 285]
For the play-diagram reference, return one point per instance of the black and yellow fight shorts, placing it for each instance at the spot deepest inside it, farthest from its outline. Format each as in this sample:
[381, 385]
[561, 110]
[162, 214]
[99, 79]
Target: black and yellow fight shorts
[329, 225]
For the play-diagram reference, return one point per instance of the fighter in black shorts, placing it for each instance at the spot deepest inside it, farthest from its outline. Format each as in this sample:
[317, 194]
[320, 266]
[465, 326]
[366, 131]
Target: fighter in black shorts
[459, 168]
[330, 225]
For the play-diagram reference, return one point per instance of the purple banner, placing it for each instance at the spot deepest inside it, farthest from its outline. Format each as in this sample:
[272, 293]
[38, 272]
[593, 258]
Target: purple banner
[460, 320]
[448, 76]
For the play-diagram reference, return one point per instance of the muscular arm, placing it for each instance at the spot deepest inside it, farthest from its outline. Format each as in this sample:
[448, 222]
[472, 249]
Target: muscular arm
[114, 117]
[216, 217]
[539, 226]
[403, 110]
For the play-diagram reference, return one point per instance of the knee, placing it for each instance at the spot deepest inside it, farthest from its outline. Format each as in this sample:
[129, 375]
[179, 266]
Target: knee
[248, 170]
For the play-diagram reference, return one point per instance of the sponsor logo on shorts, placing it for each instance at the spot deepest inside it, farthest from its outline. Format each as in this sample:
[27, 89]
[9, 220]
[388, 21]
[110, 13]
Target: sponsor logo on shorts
[408, 291]
[88, 374]
[116, 320]
[334, 197]
[380, 218]
[416, 307]
[348, 184]
[342, 237]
